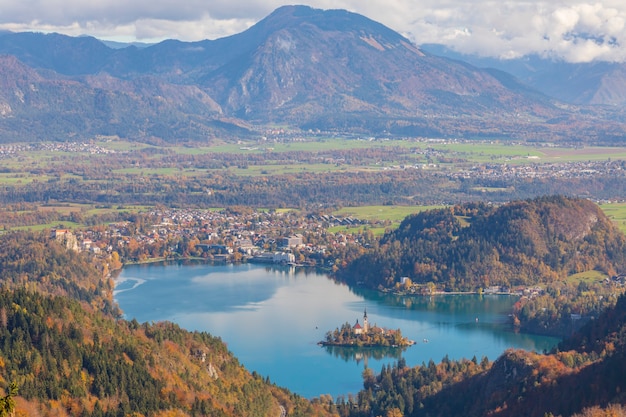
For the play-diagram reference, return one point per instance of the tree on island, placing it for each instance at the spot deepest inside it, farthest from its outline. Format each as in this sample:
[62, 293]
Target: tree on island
[365, 335]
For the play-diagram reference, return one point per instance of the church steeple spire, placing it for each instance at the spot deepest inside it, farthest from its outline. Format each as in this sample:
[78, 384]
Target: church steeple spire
[365, 323]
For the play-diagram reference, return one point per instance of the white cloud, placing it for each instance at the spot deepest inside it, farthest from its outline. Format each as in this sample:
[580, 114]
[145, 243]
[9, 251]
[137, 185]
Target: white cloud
[576, 30]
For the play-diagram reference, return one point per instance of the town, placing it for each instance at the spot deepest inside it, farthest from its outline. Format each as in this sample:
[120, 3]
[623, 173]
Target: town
[280, 237]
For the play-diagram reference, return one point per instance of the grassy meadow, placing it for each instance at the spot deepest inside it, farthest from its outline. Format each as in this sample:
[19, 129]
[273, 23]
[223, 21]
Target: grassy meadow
[589, 277]
[381, 213]
[617, 213]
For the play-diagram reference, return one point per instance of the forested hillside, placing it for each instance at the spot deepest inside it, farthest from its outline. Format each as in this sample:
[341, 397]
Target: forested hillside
[473, 246]
[64, 345]
[36, 262]
[585, 376]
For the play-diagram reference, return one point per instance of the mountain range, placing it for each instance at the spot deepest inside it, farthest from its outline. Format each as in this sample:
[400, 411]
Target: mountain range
[304, 68]
[595, 83]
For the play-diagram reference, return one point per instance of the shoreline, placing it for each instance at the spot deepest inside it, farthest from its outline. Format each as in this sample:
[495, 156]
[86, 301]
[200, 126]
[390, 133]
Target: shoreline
[114, 274]
[366, 345]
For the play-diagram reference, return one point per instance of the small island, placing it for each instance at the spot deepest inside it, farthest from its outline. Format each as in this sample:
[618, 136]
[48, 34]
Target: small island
[365, 335]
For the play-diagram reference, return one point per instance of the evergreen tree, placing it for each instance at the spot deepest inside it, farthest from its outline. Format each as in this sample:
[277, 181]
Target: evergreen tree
[7, 403]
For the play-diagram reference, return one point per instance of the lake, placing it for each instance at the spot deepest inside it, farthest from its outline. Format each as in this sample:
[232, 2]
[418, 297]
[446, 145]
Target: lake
[271, 318]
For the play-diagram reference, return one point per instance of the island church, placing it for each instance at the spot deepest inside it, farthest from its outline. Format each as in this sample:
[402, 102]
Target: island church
[357, 328]
[365, 335]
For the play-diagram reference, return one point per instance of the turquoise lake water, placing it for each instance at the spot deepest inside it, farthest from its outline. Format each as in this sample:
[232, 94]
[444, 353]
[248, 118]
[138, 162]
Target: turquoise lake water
[271, 318]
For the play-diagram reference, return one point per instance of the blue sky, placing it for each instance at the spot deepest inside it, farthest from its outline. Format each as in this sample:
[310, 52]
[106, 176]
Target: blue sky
[572, 30]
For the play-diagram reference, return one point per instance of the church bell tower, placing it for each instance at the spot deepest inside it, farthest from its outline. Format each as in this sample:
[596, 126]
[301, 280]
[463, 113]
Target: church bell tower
[365, 322]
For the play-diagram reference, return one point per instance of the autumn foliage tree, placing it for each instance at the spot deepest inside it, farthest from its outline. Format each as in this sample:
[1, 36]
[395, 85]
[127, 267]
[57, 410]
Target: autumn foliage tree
[519, 243]
[7, 403]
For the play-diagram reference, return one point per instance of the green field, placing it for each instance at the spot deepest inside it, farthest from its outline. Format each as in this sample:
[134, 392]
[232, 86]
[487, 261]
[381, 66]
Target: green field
[20, 179]
[377, 231]
[449, 154]
[587, 276]
[53, 225]
[382, 213]
[473, 151]
[617, 213]
[90, 209]
[483, 150]
[26, 166]
[159, 171]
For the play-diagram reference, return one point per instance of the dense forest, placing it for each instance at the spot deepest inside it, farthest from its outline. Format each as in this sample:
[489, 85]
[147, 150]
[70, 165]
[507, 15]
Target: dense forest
[64, 345]
[473, 246]
[36, 262]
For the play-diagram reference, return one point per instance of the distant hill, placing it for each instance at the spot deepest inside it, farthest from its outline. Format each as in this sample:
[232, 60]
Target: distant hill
[598, 83]
[476, 245]
[301, 67]
[39, 105]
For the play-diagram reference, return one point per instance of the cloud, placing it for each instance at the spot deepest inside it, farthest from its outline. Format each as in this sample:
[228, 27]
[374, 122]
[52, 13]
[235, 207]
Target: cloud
[573, 30]
[577, 32]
